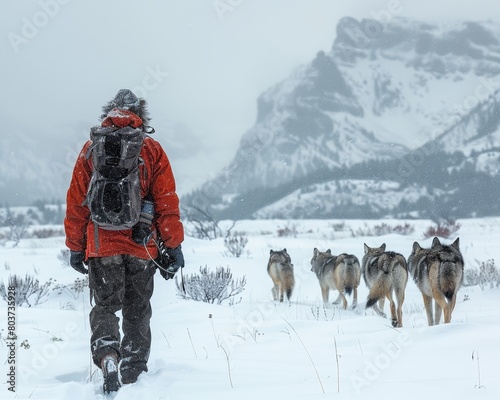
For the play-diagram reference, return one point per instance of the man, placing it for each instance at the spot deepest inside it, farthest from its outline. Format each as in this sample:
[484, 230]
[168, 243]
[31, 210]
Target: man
[120, 267]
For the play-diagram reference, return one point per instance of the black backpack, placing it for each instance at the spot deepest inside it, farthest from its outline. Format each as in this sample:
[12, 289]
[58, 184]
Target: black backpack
[114, 193]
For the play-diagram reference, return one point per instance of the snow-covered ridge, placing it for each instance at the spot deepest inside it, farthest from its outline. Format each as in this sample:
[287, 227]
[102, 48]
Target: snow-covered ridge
[409, 90]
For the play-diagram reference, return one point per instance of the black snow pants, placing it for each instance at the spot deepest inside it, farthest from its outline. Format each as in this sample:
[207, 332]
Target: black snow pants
[123, 283]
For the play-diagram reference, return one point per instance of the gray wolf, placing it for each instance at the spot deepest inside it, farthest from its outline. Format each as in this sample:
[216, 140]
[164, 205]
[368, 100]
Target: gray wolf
[385, 273]
[438, 273]
[280, 269]
[341, 273]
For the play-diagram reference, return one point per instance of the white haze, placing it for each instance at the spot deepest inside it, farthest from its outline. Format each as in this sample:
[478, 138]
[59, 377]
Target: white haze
[200, 66]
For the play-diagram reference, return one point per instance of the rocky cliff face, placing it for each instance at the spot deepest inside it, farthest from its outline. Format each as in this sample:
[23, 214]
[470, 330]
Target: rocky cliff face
[347, 128]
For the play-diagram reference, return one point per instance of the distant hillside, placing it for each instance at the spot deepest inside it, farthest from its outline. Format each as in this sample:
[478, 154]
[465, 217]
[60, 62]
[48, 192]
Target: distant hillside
[404, 122]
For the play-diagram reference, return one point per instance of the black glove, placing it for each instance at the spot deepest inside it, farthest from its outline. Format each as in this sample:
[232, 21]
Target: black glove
[170, 261]
[77, 261]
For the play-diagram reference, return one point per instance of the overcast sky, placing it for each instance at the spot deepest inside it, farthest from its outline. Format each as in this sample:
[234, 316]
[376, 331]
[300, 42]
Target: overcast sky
[200, 64]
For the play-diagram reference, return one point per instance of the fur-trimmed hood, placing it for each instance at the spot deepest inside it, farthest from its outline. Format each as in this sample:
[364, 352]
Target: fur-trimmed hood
[125, 99]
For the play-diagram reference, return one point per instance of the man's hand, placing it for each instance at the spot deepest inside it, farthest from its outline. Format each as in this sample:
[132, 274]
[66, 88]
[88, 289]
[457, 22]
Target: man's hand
[170, 261]
[77, 261]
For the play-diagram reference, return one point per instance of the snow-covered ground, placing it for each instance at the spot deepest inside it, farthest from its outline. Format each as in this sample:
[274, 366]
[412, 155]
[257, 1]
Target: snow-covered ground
[257, 348]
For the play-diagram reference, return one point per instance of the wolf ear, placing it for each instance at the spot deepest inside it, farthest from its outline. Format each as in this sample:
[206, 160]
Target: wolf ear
[271, 252]
[284, 250]
[416, 247]
[436, 242]
[382, 247]
[366, 248]
[456, 244]
[329, 251]
[315, 252]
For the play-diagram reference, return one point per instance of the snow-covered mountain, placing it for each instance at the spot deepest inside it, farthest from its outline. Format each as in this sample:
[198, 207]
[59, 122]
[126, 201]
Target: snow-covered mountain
[400, 119]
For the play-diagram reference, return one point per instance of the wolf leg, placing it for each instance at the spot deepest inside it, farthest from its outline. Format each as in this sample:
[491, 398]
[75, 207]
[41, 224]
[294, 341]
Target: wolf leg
[437, 312]
[379, 311]
[400, 295]
[325, 293]
[447, 314]
[439, 306]
[282, 292]
[275, 291]
[428, 309]
[394, 318]
[451, 307]
[344, 300]
[381, 303]
[376, 307]
[341, 298]
[345, 303]
[354, 297]
[338, 299]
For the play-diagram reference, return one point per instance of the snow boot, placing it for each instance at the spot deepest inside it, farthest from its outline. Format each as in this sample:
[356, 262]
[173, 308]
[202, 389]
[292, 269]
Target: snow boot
[109, 366]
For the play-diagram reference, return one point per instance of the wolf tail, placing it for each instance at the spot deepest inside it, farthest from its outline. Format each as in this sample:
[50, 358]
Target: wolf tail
[379, 290]
[351, 274]
[448, 280]
[371, 302]
[289, 284]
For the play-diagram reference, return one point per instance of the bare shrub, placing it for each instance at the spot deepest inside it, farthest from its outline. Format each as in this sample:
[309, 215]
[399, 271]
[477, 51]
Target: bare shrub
[235, 244]
[210, 286]
[48, 214]
[443, 229]
[18, 228]
[68, 306]
[471, 277]
[385, 229]
[290, 230]
[339, 226]
[63, 257]
[489, 275]
[27, 290]
[75, 289]
[200, 223]
[45, 233]
[486, 275]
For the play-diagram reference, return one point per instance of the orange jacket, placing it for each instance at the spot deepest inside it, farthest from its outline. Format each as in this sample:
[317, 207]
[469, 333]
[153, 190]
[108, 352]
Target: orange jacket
[157, 180]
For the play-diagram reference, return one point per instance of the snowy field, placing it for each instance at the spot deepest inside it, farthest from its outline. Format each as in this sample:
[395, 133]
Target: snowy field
[256, 348]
